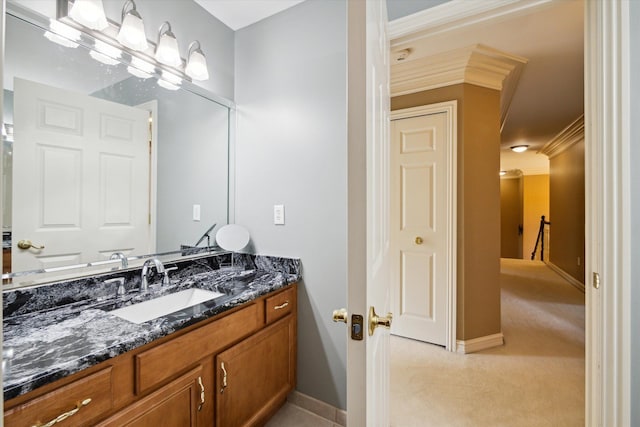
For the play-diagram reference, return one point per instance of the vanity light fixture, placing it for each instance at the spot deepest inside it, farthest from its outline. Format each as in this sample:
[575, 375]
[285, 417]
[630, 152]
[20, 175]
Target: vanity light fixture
[105, 53]
[89, 13]
[140, 68]
[169, 81]
[63, 34]
[131, 32]
[519, 148]
[196, 67]
[167, 49]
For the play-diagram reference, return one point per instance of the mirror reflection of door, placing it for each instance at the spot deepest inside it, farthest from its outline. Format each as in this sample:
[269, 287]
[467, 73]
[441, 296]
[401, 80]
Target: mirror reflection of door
[83, 164]
[511, 215]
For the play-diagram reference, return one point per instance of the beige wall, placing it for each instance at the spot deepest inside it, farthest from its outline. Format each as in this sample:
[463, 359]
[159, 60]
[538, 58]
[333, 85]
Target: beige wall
[478, 225]
[536, 204]
[566, 210]
[511, 208]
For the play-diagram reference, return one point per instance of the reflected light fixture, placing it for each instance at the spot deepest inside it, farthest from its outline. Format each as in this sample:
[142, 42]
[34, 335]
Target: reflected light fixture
[503, 173]
[63, 34]
[169, 81]
[89, 13]
[131, 33]
[105, 53]
[519, 148]
[196, 67]
[167, 49]
[140, 68]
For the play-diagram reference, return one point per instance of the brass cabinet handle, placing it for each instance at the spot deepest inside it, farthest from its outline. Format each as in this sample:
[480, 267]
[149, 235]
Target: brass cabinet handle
[26, 244]
[281, 306]
[224, 377]
[419, 240]
[201, 394]
[65, 415]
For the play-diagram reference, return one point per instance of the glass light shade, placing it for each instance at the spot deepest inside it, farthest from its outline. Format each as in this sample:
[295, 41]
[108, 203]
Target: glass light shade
[89, 13]
[62, 41]
[171, 78]
[105, 53]
[167, 50]
[101, 57]
[165, 84]
[132, 33]
[197, 66]
[140, 68]
[519, 148]
[65, 31]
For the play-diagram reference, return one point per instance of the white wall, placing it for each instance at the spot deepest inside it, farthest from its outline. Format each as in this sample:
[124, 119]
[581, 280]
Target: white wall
[188, 21]
[635, 212]
[291, 149]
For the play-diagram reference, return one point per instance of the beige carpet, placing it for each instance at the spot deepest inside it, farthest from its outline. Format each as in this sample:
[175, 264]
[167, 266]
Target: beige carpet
[535, 379]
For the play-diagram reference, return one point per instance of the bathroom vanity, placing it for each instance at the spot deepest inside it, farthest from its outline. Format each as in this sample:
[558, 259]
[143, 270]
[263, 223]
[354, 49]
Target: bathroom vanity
[230, 361]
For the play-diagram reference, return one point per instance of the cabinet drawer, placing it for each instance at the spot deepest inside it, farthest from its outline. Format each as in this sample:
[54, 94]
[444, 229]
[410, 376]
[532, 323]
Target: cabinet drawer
[279, 305]
[94, 390]
[164, 361]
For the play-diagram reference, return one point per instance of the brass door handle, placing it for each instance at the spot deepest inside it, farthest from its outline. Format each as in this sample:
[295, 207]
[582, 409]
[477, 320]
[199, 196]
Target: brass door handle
[419, 240]
[26, 244]
[375, 321]
[201, 394]
[281, 306]
[340, 315]
[224, 378]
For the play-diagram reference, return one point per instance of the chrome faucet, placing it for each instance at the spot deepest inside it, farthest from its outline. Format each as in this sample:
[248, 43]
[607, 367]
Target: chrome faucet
[144, 284]
[122, 257]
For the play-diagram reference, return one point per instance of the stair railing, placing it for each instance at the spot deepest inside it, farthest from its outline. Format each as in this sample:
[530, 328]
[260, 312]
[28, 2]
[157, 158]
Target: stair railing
[540, 240]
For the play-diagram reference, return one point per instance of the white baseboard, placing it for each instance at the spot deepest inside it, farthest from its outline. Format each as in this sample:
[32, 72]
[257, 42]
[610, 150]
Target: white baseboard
[566, 276]
[479, 344]
[318, 407]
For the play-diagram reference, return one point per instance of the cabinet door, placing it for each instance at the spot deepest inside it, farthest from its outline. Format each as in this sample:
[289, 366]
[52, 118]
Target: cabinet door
[255, 376]
[175, 404]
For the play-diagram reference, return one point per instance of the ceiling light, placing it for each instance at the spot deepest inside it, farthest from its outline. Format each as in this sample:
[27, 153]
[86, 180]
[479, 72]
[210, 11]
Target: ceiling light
[196, 67]
[167, 50]
[89, 13]
[140, 68]
[519, 148]
[131, 32]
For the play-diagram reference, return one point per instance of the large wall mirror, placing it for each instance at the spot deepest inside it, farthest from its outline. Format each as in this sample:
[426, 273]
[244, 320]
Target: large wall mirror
[98, 161]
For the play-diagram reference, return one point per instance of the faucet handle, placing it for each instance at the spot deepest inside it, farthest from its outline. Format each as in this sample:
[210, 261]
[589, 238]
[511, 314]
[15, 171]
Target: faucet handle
[165, 278]
[120, 281]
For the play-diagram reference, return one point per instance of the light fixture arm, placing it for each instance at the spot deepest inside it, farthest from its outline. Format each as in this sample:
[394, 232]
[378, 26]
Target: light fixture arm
[133, 10]
[194, 46]
[167, 31]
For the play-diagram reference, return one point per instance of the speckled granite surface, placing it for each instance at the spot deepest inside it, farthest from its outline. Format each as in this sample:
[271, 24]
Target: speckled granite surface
[59, 329]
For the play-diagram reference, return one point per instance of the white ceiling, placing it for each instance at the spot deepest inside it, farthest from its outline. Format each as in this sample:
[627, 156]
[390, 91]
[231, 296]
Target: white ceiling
[238, 14]
[550, 92]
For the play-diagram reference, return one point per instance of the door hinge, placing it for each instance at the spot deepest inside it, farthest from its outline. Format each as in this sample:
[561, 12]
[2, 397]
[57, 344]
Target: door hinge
[596, 280]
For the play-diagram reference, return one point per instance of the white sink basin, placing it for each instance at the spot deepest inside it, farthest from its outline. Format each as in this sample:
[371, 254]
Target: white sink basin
[152, 309]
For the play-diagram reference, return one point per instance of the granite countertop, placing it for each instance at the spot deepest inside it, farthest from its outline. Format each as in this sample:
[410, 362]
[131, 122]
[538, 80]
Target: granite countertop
[53, 343]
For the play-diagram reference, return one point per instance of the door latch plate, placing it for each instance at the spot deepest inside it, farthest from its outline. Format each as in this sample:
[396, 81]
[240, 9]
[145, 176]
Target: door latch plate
[356, 327]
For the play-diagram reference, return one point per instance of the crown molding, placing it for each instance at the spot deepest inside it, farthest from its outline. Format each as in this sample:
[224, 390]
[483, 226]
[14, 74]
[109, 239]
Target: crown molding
[454, 15]
[569, 136]
[479, 65]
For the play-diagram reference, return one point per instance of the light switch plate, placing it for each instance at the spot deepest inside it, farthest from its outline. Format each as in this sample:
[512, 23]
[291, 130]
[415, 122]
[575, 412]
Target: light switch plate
[278, 214]
[196, 212]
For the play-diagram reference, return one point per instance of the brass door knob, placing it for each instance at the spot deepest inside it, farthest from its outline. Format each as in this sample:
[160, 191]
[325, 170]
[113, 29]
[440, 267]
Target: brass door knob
[375, 321]
[26, 244]
[419, 240]
[340, 315]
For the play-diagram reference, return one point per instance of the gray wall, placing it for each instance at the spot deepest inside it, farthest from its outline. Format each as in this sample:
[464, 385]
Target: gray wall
[635, 212]
[189, 22]
[291, 150]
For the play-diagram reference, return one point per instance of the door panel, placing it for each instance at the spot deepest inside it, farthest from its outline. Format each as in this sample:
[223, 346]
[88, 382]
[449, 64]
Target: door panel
[420, 154]
[83, 168]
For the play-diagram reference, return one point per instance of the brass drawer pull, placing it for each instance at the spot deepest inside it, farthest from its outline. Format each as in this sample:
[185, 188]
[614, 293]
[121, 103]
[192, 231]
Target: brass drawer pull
[281, 306]
[65, 415]
[224, 377]
[201, 394]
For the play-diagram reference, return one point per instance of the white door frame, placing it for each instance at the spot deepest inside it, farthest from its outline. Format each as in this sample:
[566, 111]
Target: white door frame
[607, 184]
[451, 109]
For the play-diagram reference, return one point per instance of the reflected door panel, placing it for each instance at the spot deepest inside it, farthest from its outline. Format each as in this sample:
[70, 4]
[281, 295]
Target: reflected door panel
[83, 165]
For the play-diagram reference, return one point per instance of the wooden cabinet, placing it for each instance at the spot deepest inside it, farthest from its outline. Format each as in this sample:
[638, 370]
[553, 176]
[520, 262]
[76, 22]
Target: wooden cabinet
[179, 380]
[175, 404]
[255, 376]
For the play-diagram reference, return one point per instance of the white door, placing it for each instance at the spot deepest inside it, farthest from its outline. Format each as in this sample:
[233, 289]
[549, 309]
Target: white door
[422, 197]
[368, 206]
[81, 175]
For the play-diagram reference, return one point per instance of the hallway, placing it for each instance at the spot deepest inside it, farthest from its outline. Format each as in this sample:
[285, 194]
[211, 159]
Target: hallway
[535, 379]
